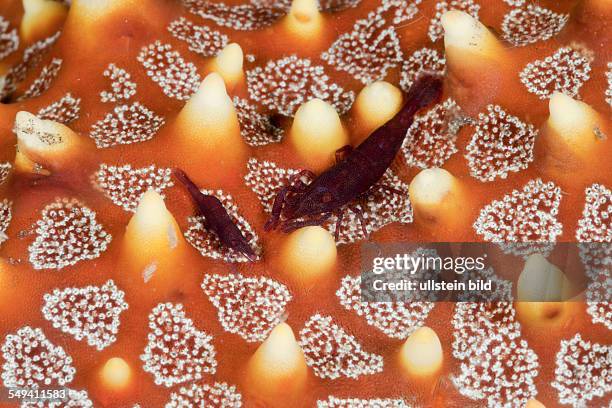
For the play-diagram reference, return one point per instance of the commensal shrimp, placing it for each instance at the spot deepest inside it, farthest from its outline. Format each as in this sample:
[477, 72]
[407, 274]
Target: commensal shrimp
[216, 217]
[300, 204]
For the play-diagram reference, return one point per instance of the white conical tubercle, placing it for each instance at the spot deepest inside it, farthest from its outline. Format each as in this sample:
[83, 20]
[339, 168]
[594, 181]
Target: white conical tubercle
[377, 103]
[229, 63]
[210, 106]
[304, 19]
[41, 18]
[44, 141]
[573, 121]
[463, 32]
[153, 222]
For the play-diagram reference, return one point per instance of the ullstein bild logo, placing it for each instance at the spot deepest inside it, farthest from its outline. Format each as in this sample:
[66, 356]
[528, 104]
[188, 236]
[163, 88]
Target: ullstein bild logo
[478, 272]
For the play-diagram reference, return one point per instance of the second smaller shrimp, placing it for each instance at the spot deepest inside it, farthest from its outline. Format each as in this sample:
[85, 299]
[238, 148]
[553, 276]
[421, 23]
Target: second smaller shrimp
[216, 217]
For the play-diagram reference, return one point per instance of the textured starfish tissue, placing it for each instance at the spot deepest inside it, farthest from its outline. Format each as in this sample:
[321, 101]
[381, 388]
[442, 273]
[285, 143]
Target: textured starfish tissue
[190, 190]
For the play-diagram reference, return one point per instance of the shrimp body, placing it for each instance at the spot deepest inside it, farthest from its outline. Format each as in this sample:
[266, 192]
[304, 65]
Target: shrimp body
[216, 217]
[362, 167]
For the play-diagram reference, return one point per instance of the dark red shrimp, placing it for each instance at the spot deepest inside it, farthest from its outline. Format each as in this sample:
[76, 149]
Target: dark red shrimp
[216, 217]
[351, 177]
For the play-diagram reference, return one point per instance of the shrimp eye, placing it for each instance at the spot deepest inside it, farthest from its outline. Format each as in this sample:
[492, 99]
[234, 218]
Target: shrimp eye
[326, 197]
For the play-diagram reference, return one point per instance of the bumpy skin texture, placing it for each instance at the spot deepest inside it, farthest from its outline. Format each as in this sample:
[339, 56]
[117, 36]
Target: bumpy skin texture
[119, 71]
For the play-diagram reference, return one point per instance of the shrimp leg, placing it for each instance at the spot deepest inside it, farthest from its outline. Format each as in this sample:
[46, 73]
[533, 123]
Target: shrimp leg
[342, 152]
[293, 225]
[296, 186]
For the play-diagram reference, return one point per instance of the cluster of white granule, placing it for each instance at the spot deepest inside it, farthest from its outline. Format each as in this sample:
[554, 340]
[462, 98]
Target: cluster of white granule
[248, 307]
